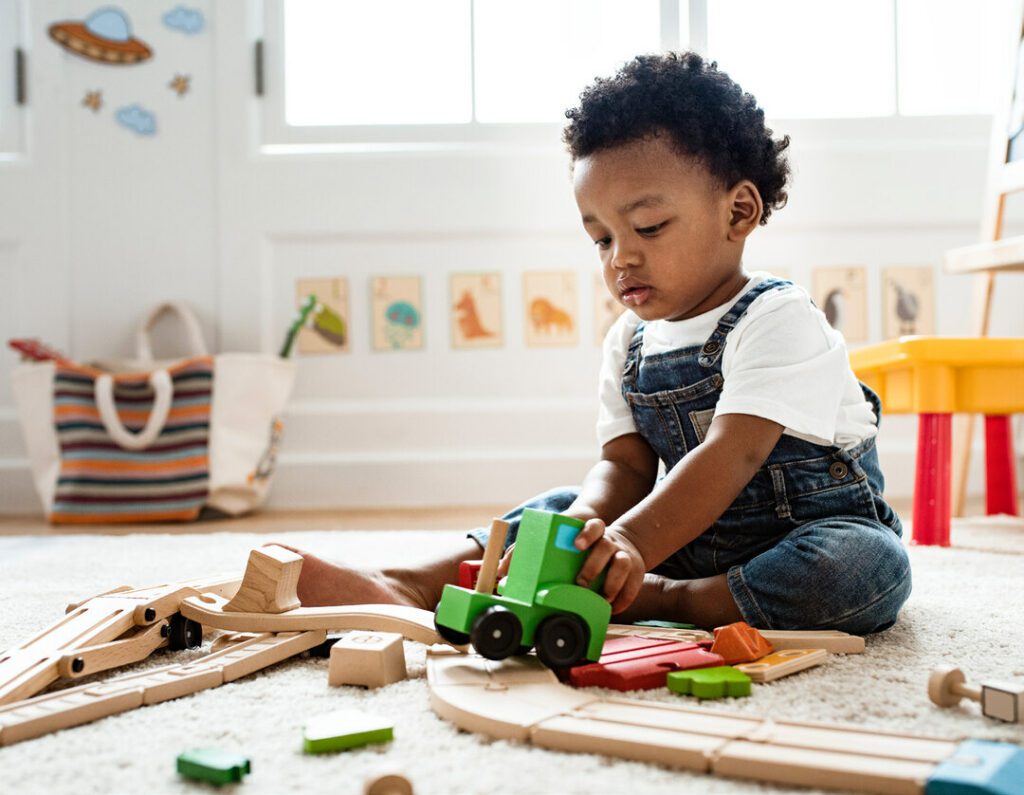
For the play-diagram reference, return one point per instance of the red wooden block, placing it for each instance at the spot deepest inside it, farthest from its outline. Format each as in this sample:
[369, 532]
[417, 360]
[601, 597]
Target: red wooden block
[469, 573]
[631, 663]
[740, 643]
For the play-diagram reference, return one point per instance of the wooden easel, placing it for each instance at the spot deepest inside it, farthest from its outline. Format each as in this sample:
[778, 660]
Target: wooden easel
[995, 254]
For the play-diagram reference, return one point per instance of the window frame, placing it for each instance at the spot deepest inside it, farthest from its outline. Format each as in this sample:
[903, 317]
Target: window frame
[275, 137]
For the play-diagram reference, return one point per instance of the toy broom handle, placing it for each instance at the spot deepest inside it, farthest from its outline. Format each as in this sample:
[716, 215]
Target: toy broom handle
[297, 324]
[492, 556]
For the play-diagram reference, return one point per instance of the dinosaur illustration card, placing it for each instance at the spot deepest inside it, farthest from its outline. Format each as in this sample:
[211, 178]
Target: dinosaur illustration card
[326, 327]
[841, 293]
[550, 303]
[908, 301]
[475, 306]
[606, 309]
[396, 309]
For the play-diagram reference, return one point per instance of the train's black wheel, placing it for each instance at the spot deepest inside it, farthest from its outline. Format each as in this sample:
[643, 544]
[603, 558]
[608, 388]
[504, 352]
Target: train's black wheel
[453, 636]
[562, 641]
[183, 633]
[496, 633]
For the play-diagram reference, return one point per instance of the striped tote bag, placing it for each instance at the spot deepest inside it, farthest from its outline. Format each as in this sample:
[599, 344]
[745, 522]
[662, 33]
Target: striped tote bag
[155, 444]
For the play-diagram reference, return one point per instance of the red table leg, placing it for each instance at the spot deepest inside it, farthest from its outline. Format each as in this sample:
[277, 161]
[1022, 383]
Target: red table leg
[932, 481]
[1000, 478]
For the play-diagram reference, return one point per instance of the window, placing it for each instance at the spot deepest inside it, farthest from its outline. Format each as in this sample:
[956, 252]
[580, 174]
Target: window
[448, 71]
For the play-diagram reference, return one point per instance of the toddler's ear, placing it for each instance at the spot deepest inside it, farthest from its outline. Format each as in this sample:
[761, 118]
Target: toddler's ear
[745, 209]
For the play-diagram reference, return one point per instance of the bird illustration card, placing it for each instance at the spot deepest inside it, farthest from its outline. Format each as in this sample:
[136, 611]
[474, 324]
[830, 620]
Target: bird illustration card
[326, 327]
[476, 310]
[908, 301]
[397, 312]
[841, 293]
[606, 309]
[550, 302]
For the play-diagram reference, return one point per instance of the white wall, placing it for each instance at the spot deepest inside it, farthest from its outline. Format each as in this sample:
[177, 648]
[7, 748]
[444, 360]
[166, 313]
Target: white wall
[98, 223]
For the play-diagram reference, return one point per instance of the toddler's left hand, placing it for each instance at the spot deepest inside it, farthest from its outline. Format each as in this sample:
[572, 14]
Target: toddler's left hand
[625, 563]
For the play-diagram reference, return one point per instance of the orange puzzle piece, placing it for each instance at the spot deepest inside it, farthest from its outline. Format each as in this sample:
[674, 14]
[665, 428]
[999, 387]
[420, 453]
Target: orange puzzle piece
[739, 643]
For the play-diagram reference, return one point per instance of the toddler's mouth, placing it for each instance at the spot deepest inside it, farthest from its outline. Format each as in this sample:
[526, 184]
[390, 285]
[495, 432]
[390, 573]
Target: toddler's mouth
[634, 293]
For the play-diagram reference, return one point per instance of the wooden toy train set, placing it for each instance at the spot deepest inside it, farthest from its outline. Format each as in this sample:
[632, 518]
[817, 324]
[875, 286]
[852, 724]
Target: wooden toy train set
[502, 690]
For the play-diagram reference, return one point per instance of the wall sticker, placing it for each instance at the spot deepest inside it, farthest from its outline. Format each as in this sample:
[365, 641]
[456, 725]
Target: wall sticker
[104, 37]
[185, 20]
[137, 119]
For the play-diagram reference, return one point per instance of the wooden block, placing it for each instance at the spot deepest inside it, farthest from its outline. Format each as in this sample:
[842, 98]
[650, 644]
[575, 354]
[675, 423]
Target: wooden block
[831, 640]
[370, 659]
[979, 766]
[782, 663]
[212, 765]
[739, 642]
[1003, 701]
[469, 573]
[717, 682]
[344, 729]
[269, 583]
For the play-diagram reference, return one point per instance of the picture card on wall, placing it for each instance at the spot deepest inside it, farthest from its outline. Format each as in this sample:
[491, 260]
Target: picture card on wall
[606, 309]
[476, 310]
[841, 293]
[397, 312]
[550, 302]
[908, 301]
[326, 329]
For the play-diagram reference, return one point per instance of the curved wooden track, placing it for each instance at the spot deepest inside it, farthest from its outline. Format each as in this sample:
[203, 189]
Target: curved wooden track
[520, 699]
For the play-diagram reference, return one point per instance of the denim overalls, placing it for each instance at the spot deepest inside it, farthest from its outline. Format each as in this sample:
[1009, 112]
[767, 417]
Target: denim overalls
[809, 543]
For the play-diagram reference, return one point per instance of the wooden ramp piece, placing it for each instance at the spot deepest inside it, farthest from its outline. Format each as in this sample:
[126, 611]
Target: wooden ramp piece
[269, 583]
[412, 623]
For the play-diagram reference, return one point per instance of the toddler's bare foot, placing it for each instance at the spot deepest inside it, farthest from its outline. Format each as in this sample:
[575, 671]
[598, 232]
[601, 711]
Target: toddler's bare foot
[324, 583]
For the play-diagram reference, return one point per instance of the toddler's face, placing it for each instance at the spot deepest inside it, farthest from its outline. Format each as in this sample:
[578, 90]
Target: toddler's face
[661, 225]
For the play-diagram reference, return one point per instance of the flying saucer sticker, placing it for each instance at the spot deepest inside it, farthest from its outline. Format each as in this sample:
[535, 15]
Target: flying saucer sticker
[550, 303]
[185, 20]
[397, 312]
[476, 310]
[105, 36]
[326, 331]
[908, 301]
[841, 293]
[137, 119]
[606, 309]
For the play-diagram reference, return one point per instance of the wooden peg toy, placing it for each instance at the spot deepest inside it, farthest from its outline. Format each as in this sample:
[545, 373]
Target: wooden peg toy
[370, 659]
[782, 663]
[213, 765]
[740, 643]
[716, 682]
[269, 583]
[340, 731]
[487, 576]
[1000, 700]
[390, 784]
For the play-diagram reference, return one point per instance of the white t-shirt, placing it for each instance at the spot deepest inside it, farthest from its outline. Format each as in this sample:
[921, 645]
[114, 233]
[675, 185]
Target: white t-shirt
[782, 361]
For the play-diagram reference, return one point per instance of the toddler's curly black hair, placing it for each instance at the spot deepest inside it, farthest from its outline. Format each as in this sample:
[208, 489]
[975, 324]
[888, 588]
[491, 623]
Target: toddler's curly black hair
[706, 114]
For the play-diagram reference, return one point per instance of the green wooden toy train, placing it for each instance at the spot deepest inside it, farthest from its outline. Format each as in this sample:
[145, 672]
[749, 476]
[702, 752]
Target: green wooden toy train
[537, 604]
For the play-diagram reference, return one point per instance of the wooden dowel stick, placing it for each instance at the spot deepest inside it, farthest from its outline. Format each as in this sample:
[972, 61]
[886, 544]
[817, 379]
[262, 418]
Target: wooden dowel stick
[492, 556]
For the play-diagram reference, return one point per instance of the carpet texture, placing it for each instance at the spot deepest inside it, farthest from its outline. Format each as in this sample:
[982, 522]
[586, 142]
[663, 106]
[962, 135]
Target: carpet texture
[965, 610]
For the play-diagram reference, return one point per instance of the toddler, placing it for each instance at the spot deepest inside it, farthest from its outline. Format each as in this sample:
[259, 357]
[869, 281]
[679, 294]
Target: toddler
[770, 509]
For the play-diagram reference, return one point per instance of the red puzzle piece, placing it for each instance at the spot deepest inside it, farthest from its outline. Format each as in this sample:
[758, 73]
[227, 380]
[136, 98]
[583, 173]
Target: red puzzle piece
[632, 663]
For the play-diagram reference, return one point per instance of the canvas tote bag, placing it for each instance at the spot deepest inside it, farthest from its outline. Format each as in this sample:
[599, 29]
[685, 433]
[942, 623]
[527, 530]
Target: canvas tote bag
[142, 441]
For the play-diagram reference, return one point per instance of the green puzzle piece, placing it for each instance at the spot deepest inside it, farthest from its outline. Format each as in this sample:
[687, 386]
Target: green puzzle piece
[723, 680]
[344, 729]
[213, 765]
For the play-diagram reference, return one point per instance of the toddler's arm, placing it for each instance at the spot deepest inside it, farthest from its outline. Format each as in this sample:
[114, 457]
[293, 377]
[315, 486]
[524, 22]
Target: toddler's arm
[687, 501]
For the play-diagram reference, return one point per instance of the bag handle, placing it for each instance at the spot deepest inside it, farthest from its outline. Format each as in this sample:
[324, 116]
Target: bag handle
[188, 320]
[163, 389]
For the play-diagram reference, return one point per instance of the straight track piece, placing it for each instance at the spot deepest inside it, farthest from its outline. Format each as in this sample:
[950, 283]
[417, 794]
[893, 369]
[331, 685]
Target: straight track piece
[41, 715]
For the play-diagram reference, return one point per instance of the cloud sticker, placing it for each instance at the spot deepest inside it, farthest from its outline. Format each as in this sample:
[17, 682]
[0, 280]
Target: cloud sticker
[187, 20]
[137, 119]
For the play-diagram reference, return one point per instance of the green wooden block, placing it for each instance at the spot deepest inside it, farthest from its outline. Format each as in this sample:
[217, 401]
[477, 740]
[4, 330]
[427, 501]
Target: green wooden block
[723, 680]
[665, 624]
[344, 729]
[213, 765]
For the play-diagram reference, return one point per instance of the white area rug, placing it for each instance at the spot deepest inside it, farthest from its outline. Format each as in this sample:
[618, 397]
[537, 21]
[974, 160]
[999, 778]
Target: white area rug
[966, 610]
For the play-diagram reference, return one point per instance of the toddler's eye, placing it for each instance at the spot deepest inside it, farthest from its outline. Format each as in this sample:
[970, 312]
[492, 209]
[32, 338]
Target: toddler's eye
[603, 242]
[650, 230]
